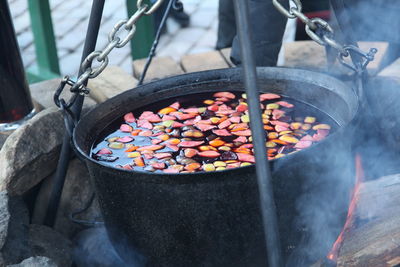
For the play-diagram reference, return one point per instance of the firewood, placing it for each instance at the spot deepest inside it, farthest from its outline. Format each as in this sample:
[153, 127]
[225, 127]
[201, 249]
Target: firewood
[374, 238]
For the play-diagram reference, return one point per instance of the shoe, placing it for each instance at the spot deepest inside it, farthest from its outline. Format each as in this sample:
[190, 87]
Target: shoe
[182, 18]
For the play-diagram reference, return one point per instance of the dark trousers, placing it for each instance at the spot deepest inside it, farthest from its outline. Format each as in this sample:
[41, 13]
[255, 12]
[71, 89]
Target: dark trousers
[371, 20]
[266, 23]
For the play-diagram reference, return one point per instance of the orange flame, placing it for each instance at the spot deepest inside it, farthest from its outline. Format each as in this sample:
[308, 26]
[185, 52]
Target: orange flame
[359, 177]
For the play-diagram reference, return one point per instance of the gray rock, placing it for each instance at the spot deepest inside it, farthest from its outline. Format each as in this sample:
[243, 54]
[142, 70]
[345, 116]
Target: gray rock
[3, 137]
[111, 82]
[4, 217]
[76, 194]
[35, 262]
[44, 241]
[15, 247]
[31, 152]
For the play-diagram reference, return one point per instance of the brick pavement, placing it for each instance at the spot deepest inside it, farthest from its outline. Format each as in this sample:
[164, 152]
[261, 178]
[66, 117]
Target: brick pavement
[70, 20]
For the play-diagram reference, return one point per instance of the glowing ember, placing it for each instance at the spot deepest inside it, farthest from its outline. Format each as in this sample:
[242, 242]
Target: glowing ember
[359, 178]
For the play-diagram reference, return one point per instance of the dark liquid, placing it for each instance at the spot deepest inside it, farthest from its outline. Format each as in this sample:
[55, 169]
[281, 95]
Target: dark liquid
[15, 99]
[297, 113]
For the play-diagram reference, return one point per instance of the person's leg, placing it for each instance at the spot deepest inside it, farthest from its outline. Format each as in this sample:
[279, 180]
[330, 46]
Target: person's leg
[226, 24]
[267, 25]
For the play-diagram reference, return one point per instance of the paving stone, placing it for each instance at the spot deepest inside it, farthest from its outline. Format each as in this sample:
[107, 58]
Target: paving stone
[203, 18]
[111, 82]
[37, 261]
[200, 49]
[28, 58]
[160, 67]
[43, 92]
[208, 4]
[393, 70]
[190, 6]
[126, 65]
[33, 146]
[22, 23]
[69, 64]
[203, 61]
[72, 40]
[25, 39]
[175, 49]
[308, 54]
[209, 39]
[226, 53]
[382, 48]
[164, 41]
[190, 35]
[304, 54]
[70, 20]
[17, 8]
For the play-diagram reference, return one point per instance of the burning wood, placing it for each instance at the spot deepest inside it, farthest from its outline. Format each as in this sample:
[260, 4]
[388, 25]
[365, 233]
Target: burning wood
[371, 235]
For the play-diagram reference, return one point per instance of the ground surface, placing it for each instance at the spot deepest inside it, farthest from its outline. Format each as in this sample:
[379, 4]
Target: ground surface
[70, 20]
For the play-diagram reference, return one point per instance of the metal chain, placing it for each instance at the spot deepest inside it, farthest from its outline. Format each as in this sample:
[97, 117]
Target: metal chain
[321, 32]
[101, 56]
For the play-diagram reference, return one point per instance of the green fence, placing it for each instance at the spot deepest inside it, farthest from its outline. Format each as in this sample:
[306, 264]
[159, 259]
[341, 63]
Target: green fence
[47, 63]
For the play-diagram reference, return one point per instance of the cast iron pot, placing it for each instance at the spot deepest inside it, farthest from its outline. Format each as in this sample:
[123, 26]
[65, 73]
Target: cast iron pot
[213, 219]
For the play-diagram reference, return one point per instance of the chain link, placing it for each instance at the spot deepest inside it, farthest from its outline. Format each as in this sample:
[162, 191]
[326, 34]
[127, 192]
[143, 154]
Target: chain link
[114, 41]
[152, 9]
[321, 32]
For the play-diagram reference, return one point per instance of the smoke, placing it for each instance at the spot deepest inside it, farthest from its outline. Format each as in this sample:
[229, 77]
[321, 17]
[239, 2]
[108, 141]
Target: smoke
[321, 212]
[93, 248]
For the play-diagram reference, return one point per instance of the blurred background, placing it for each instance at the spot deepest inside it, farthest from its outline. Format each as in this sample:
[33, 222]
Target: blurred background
[70, 19]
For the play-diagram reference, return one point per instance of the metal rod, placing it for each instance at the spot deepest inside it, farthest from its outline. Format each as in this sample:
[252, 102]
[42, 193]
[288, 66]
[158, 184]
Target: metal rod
[65, 154]
[155, 42]
[264, 178]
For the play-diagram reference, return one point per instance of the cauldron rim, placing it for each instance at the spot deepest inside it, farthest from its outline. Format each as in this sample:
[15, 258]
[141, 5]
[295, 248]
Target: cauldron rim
[202, 176]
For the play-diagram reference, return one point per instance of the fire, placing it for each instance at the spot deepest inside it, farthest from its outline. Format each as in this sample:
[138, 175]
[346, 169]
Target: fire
[359, 177]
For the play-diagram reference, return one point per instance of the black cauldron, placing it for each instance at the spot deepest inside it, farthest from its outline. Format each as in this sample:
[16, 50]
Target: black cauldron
[213, 219]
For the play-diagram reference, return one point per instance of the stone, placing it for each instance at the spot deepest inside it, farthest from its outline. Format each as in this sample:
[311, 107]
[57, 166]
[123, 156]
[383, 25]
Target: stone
[4, 217]
[382, 47]
[304, 54]
[111, 82]
[31, 152]
[393, 70]
[226, 53]
[13, 229]
[44, 241]
[36, 262]
[204, 61]
[310, 55]
[43, 92]
[160, 67]
[77, 192]
[4, 136]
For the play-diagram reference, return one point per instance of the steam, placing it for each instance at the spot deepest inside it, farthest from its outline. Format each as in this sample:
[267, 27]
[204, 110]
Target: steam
[93, 248]
[321, 213]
